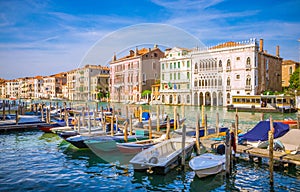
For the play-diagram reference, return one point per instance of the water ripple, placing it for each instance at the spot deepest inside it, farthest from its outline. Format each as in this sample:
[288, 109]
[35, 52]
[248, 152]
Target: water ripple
[33, 161]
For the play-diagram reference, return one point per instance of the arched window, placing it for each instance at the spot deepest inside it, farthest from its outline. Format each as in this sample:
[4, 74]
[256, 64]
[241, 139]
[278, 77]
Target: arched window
[196, 66]
[171, 99]
[220, 63]
[195, 83]
[248, 61]
[290, 70]
[228, 63]
[228, 81]
[248, 80]
[188, 100]
[220, 81]
[179, 99]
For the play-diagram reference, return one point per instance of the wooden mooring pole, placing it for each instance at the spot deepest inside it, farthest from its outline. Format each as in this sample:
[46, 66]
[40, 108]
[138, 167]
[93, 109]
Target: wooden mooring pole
[197, 135]
[205, 126]
[157, 119]
[130, 125]
[175, 118]
[3, 112]
[150, 128]
[271, 158]
[125, 131]
[112, 122]
[228, 153]
[217, 124]
[183, 145]
[168, 128]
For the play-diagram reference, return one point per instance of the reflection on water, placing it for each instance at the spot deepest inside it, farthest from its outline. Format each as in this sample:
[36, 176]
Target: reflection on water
[36, 161]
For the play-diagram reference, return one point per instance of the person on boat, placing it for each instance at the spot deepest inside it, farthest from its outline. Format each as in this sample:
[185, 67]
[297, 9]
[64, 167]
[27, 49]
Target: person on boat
[166, 118]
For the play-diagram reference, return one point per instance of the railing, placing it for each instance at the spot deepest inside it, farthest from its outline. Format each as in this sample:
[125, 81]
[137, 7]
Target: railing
[228, 88]
[248, 88]
[248, 67]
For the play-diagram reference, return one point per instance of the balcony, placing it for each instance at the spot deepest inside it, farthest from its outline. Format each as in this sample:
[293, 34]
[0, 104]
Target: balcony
[248, 67]
[228, 88]
[228, 68]
[248, 88]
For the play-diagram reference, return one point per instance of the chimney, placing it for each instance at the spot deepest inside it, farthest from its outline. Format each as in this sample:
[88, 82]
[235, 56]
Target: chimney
[114, 57]
[131, 52]
[261, 45]
[277, 50]
[136, 51]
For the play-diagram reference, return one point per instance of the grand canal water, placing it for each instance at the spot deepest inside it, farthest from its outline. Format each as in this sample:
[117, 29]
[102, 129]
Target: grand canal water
[37, 161]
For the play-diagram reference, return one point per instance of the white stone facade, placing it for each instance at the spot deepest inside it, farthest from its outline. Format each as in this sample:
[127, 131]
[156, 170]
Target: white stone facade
[222, 71]
[176, 77]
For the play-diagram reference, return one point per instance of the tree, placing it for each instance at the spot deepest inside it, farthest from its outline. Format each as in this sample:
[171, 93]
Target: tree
[294, 80]
[146, 93]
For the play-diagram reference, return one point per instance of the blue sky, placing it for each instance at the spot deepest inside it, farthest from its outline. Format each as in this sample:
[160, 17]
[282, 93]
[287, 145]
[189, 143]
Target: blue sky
[51, 36]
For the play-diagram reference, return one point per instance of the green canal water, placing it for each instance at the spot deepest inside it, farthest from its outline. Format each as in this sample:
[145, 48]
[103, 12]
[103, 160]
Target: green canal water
[37, 161]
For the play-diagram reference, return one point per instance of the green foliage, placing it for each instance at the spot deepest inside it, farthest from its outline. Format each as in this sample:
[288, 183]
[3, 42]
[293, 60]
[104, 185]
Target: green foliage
[268, 93]
[146, 92]
[294, 80]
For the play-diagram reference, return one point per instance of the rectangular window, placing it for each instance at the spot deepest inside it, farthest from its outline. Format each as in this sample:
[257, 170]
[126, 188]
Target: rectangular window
[188, 64]
[174, 76]
[178, 64]
[178, 76]
[163, 66]
[170, 76]
[175, 65]
[163, 77]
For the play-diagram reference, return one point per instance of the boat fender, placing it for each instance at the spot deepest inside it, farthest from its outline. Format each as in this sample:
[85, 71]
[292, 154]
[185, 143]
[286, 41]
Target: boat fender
[74, 121]
[153, 160]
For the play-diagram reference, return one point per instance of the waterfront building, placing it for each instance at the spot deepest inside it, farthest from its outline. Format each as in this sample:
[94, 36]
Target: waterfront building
[100, 85]
[83, 82]
[37, 87]
[71, 80]
[12, 88]
[176, 76]
[155, 94]
[2, 88]
[288, 68]
[134, 73]
[52, 87]
[233, 68]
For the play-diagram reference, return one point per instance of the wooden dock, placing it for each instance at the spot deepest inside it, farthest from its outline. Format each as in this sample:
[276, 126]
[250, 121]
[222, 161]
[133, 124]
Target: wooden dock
[252, 152]
[21, 126]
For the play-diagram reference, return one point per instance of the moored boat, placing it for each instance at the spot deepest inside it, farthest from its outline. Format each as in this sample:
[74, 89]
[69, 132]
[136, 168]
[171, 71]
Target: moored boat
[138, 146]
[258, 135]
[161, 158]
[207, 164]
[105, 147]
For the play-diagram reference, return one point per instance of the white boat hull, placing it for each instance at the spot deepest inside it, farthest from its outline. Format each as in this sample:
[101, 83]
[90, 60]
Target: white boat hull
[207, 164]
[162, 157]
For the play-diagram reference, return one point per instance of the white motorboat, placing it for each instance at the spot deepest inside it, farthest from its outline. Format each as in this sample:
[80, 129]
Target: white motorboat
[162, 157]
[207, 164]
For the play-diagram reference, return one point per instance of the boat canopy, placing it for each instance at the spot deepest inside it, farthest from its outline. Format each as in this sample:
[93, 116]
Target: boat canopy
[260, 131]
